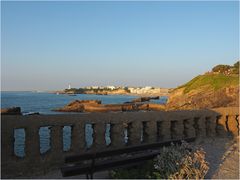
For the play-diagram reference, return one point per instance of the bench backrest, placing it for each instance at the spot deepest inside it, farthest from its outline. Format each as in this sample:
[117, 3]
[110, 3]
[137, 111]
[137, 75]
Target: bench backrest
[88, 156]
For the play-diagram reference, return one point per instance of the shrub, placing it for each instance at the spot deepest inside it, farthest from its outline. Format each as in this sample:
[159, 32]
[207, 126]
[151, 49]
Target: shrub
[141, 171]
[173, 162]
[180, 162]
[236, 68]
[221, 68]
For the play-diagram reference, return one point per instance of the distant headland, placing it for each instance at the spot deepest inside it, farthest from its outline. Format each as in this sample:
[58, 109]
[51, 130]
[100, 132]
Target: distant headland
[116, 90]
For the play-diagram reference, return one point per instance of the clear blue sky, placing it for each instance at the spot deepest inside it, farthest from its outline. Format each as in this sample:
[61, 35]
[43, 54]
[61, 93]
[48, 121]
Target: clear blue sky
[47, 45]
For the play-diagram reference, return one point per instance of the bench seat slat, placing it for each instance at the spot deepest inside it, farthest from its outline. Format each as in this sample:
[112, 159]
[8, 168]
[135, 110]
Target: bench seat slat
[105, 165]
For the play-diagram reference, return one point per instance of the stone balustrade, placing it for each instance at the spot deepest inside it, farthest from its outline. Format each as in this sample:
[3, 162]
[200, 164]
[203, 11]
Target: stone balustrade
[126, 129]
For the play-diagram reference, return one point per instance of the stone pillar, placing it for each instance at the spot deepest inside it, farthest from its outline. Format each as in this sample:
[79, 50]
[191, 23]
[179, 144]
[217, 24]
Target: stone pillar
[57, 139]
[211, 125]
[99, 130]
[117, 135]
[221, 129]
[78, 138]
[189, 130]
[200, 127]
[7, 152]
[32, 144]
[233, 125]
[166, 130]
[56, 152]
[151, 130]
[135, 133]
[32, 150]
[177, 129]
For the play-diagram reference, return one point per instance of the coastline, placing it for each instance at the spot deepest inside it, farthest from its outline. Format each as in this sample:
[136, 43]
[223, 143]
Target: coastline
[109, 93]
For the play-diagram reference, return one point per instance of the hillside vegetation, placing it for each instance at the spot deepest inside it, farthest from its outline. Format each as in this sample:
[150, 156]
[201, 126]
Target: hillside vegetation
[214, 81]
[217, 88]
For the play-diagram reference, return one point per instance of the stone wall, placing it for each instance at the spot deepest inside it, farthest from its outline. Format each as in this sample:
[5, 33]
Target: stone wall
[141, 128]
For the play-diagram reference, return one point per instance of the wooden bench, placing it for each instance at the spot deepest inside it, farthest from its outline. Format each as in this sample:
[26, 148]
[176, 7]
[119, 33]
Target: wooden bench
[110, 159]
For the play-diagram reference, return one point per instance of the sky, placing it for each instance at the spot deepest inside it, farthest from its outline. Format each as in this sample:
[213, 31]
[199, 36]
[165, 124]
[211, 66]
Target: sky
[48, 45]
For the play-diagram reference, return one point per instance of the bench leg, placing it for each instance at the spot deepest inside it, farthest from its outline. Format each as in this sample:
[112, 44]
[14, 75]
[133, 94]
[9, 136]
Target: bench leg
[87, 177]
[91, 176]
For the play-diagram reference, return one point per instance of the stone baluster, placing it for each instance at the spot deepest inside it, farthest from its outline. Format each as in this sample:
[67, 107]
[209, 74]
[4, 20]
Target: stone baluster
[56, 144]
[189, 130]
[211, 125]
[200, 126]
[165, 130]
[233, 125]
[78, 138]
[32, 144]
[7, 150]
[135, 133]
[177, 130]
[151, 130]
[117, 135]
[99, 142]
[221, 128]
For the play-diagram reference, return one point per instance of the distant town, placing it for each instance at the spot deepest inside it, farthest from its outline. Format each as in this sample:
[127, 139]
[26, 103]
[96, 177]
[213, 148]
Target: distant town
[107, 90]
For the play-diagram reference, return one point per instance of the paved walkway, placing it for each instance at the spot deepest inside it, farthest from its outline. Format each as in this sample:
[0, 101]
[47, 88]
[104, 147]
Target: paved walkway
[223, 157]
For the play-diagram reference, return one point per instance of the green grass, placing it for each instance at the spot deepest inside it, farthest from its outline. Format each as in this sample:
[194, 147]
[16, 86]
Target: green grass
[215, 81]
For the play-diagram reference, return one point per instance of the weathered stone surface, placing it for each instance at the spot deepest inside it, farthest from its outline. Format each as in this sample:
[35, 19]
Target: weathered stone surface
[156, 107]
[11, 111]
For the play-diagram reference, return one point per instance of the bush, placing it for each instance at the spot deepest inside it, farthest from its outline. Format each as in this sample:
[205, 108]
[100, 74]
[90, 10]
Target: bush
[173, 162]
[236, 68]
[221, 68]
[180, 162]
[141, 171]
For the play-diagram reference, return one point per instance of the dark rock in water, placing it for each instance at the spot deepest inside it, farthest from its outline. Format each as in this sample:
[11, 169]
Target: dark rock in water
[143, 99]
[11, 111]
[156, 107]
[102, 108]
[78, 105]
[31, 113]
[96, 106]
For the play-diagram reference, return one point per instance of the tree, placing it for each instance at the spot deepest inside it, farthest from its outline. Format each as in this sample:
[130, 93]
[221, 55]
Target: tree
[236, 68]
[221, 68]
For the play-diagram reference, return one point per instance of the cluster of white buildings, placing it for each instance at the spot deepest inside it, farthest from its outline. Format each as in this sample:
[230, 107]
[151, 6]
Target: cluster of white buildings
[147, 90]
[102, 87]
[133, 90]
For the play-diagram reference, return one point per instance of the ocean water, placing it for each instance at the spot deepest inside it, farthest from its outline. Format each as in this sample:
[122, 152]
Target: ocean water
[44, 103]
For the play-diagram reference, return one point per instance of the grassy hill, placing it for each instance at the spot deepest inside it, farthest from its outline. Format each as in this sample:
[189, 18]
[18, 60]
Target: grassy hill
[213, 81]
[218, 88]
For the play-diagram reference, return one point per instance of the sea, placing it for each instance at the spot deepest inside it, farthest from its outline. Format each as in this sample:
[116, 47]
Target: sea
[44, 103]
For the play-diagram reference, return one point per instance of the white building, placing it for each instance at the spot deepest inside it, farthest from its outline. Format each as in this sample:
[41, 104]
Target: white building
[111, 87]
[95, 87]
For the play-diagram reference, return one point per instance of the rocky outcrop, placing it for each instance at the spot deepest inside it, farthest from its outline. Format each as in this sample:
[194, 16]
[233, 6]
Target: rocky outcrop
[210, 90]
[143, 99]
[78, 105]
[96, 106]
[204, 97]
[11, 111]
[156, 107]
